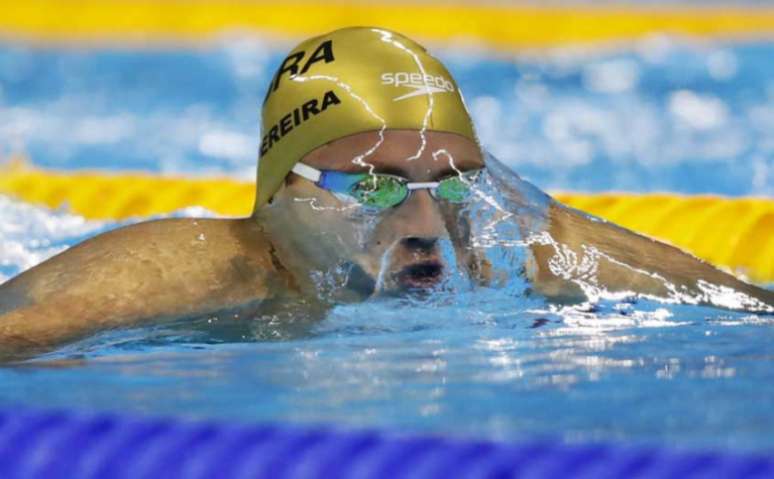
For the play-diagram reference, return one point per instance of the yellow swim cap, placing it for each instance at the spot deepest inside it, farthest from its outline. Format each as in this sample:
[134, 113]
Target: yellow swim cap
[350, 81]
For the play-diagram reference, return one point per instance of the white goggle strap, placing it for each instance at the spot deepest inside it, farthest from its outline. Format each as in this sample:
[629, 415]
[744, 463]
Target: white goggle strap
[306, 171]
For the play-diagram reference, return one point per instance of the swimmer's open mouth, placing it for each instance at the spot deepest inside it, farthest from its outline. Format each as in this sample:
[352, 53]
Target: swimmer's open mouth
[420, 275]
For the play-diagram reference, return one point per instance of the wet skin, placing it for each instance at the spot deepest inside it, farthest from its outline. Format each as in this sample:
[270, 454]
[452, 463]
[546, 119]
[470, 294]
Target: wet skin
[184, 268]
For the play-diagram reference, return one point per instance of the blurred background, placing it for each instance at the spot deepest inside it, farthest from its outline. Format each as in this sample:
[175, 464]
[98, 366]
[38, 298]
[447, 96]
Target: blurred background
[635, 96]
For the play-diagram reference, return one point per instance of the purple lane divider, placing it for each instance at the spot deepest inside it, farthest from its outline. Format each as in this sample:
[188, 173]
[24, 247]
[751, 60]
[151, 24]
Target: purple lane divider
[46, 444]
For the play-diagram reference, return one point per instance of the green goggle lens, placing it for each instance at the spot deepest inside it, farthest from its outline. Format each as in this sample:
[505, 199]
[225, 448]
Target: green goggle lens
[455, 189]
[380, 191]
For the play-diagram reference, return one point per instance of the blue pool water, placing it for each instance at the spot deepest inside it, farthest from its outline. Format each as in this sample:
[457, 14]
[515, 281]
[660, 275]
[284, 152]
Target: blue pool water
[658, 114]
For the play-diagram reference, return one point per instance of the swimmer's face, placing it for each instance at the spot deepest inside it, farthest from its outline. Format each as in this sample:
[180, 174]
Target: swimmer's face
[398, 247]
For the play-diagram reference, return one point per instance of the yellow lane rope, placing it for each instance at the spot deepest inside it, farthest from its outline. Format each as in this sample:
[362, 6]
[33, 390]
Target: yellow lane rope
[500, 25]
[737, 233]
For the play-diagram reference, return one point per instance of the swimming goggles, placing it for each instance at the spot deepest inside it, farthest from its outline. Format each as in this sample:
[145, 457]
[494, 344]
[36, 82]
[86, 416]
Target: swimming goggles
[382, 191]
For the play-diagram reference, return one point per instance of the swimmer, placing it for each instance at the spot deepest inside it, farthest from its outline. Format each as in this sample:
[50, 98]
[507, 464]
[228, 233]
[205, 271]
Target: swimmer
[368, 157]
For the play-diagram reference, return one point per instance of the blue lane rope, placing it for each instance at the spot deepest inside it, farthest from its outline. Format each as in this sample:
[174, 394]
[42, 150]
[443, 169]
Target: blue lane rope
[46, 444]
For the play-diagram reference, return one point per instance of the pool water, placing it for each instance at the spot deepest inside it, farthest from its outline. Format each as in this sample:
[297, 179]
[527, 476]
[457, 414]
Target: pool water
[660, 114]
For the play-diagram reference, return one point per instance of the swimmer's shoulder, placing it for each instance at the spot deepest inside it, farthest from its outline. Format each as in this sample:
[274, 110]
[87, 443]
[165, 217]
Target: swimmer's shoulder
[148, 272]
[233, 255]
[205, 261]
[626, 261]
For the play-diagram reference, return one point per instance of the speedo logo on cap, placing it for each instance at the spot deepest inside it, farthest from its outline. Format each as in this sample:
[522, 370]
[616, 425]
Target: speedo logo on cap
[419, 83]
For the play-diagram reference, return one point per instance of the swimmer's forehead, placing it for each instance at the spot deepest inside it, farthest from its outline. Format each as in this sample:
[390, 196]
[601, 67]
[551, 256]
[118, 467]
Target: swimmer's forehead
[443, 153]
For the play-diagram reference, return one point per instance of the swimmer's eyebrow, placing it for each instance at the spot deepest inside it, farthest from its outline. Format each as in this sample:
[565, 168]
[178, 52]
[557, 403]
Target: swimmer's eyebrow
[447, 172]
[391, 170]
[384, 169]
[398, 171]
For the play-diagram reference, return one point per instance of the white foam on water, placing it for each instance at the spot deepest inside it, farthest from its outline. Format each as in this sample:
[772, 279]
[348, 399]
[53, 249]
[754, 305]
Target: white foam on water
[31, 234]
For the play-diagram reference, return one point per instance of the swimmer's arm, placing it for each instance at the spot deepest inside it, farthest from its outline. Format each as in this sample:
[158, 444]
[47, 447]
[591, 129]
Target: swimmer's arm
[628, 262]
[153, 270]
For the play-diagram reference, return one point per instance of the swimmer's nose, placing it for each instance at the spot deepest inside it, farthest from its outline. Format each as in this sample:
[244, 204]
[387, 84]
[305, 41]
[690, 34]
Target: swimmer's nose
[423, 244]
[419, 222]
